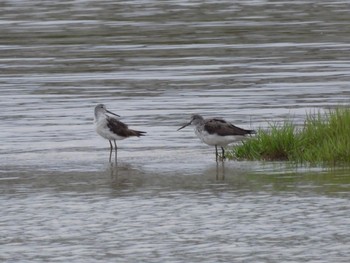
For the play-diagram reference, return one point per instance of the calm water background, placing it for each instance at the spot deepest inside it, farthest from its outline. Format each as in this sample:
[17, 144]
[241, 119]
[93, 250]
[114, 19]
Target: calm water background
[155, 63]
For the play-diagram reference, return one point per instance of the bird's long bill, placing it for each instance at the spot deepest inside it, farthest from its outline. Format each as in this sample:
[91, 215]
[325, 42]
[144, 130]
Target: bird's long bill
[184, 126]
[112, 113]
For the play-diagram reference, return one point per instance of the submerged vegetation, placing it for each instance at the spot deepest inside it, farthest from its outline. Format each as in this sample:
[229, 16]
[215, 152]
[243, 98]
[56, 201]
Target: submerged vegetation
[323, 139]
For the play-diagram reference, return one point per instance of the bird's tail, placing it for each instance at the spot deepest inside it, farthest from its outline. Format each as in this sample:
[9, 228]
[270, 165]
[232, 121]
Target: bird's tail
[251, 131]
[137, 133]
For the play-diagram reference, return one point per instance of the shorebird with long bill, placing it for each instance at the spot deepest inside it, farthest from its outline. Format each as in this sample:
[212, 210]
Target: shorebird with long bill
[216, 132]
[111, 128]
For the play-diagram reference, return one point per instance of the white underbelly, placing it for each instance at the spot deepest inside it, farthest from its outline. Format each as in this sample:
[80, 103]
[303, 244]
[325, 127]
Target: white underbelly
[215, 139]
[103, 130]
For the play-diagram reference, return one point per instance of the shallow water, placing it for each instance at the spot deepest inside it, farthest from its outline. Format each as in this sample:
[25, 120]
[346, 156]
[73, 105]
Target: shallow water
[155, 63]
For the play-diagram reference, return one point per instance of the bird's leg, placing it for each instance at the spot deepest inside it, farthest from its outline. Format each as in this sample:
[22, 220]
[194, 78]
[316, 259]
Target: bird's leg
[223, 171]
[115, 148]
[216, 152]
[217, 170]
[110, 153]
[223, 153]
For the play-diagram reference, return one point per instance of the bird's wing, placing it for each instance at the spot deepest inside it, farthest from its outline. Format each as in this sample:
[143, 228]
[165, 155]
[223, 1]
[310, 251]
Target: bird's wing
[117, 127]
[121, 128]
[223, 128]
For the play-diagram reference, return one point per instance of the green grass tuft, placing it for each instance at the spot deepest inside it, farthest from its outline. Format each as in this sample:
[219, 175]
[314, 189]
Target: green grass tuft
[324, 139]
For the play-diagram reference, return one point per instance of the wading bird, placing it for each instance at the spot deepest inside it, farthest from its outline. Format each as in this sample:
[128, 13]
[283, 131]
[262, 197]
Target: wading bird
[111, 128]
[216, 132]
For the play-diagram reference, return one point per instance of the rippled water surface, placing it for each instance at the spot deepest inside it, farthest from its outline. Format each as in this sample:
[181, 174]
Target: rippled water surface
[155, 63]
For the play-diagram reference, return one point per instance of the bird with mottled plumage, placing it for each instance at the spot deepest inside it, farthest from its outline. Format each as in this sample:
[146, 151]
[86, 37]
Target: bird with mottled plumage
[111, 128]
[216, 132]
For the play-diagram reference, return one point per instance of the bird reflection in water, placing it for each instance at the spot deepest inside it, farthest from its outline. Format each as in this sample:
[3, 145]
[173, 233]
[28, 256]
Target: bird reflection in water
[220, 170]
